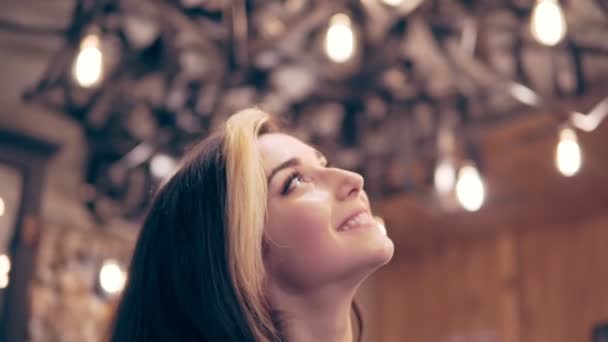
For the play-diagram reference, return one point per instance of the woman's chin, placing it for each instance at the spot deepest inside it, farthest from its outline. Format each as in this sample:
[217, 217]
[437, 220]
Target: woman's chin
[385, 251]
[374, 245]
[377, 252]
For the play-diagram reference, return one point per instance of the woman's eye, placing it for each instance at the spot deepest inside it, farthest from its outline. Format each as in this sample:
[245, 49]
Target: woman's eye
[294, 179]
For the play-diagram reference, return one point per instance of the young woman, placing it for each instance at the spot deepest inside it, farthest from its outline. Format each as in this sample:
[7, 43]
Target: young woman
[255, 238]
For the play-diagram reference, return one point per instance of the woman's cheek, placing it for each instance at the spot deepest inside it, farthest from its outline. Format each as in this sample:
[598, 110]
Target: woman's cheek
[307, 221]
[307, 225]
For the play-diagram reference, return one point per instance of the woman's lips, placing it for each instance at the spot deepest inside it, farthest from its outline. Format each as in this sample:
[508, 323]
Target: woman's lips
[357, 220]
[362, 219]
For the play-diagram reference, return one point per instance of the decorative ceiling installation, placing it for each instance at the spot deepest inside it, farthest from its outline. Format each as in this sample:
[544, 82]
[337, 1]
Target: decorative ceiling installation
[387, 88]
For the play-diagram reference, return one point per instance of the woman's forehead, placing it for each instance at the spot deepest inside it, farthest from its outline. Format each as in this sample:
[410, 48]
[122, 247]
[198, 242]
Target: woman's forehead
[275, 148]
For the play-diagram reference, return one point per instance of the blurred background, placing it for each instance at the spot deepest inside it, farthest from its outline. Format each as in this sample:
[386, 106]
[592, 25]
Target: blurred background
[479, 126]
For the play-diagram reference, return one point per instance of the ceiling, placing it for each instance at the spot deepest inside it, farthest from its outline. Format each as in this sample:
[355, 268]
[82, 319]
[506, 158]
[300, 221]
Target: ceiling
[176, 69]
[27, 53]
[524, 189]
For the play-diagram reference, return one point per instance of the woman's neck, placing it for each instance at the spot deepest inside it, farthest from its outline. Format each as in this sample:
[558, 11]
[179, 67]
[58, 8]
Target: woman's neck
[315, 316]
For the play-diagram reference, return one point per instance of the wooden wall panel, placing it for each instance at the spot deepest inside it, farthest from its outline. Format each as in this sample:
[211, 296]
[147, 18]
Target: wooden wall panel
[448, 295]
[564, 282]
[525, 286]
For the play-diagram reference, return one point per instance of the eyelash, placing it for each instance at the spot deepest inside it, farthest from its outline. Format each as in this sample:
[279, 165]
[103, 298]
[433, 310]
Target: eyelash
[287, 186]
[293, 175]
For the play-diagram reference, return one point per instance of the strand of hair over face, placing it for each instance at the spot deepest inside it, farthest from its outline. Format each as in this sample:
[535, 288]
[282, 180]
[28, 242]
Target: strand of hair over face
[245, 218]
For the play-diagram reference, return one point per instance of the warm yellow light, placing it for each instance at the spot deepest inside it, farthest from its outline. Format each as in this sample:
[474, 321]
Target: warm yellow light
[89, 62]
[5, 267]
[5, 264]
[340, 40]
[445, 177]
[403, 5]
[393, 2]
[111, 277]
[548, 23]
[161, 165]
[2, 207]
[568, 157]
[3, 281]
[470, 189]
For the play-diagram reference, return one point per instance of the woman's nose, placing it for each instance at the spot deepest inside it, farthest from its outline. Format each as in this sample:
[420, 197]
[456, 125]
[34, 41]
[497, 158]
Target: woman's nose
[350, 184]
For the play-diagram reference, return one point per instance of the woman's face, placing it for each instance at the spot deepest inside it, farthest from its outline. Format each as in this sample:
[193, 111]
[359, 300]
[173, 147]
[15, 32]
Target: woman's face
[319, 226]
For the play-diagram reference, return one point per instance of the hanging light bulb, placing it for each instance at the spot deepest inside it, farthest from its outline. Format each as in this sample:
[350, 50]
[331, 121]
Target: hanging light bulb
[4, 281]
[548, 23]
[568, 153]
[5, 267]
[445, 171]
[403, 5]
[111, 277]
[340, 42]
[5, 263]
[470, 189]
[161, 165]
[2, 207]
[444, 177]
[89, 62]
[394, 3]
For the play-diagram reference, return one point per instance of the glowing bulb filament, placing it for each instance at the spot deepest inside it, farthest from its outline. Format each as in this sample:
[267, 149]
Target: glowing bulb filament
[568, 154]
[5, 267]
[393, 2]
[161, 165]
[89, 62]
[470, 189]
[111, 277]
[548, 23]
[445, 177]
[340, 39]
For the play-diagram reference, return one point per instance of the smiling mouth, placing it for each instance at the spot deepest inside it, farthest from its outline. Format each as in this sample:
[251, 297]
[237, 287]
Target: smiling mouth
[360, 220]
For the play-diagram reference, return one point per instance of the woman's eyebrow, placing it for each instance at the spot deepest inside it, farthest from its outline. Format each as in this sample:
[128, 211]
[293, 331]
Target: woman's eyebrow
[291, 163]
[288, 163]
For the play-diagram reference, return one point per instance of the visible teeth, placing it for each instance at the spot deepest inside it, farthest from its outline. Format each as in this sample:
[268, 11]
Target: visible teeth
[362, 219]
[355, 221]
